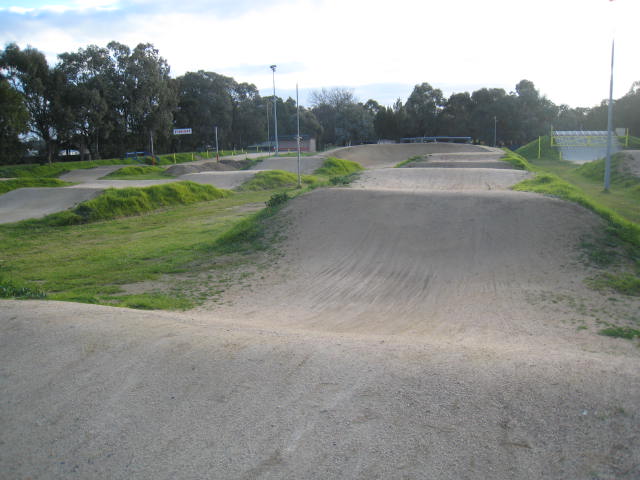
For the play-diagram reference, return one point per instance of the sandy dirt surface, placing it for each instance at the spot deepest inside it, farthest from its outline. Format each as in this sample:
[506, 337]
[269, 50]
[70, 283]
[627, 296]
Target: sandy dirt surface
[85, 175]
[290, 164]
[25, 203]
[388, 155]
[413, 329]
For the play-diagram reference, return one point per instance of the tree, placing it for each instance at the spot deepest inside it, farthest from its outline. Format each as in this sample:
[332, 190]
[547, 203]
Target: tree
[28, 72]
[14, 119]
[205, 102]
[89, 81]
[455, 118]
[342, 118]
[423, 107]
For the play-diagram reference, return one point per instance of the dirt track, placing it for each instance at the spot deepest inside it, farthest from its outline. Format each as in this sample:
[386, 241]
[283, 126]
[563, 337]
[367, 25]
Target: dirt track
[420, 325]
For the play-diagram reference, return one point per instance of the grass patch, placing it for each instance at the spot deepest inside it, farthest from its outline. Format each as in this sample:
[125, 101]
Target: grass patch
[337, 167]
[620, 332]
[11, 289]
[92, 262]
[138, 172]
[408, 161]
[624, 283]
[58, 168]
[276, 180]
[14, 184]
[126, 202]
[621, 240]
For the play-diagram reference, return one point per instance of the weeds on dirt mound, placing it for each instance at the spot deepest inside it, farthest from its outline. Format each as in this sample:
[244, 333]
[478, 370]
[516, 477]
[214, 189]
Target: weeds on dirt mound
[10, 289]
[343, 180]
[277, 199]
[8, 185]
[624, 283]
[620, 332]
[517, 161]
[408, 161]
[335, 167]
[126, 202]
[276, 179]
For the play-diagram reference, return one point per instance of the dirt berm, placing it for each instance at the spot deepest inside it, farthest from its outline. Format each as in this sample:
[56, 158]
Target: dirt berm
[417, 326]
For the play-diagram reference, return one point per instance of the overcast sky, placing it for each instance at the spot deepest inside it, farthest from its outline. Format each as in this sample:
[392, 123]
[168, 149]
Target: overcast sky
[381, 49]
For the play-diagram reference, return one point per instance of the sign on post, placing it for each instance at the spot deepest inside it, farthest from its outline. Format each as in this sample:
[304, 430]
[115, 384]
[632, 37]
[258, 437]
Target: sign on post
[182, 131]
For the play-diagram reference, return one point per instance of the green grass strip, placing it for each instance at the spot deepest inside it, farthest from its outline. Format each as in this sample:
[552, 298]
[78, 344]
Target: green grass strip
[14, 184]
[620, 332]
[333, 167]
[126, 202]
[275, 180]
[408, 161]
[138, 172]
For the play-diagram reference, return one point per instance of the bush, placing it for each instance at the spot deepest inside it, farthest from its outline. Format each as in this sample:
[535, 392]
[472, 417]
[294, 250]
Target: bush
[277, 199]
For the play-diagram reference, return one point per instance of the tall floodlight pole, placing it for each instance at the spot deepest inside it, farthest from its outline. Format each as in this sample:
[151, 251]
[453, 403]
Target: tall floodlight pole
[607, 163]
[268, 132]
[275, 112]
[298, 135]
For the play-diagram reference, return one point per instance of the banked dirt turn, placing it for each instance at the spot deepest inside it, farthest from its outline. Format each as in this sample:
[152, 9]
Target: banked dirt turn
[420, 324]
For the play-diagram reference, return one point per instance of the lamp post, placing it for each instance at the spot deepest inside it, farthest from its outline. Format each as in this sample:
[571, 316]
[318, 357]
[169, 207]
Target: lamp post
[275, 112]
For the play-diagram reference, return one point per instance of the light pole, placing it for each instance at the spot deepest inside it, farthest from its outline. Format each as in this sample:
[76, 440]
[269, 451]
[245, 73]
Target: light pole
[607, 163]
[275, 112]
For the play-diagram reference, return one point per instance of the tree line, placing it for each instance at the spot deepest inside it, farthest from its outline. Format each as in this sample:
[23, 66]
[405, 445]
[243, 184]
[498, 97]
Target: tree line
[105, 101]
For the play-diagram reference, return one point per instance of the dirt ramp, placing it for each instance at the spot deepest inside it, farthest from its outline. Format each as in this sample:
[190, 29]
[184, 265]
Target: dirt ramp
[25, 203]
[388, 155]
[449, 263]
[428, 179]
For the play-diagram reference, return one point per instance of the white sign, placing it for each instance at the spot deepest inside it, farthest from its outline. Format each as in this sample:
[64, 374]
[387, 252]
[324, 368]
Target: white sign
[182, 131]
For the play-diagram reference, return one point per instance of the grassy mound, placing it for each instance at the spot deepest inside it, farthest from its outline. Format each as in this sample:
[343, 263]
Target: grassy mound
[595, 171]
[125, 202]
[14, 184]
[275, 180]
[337, 167]
[138, 172]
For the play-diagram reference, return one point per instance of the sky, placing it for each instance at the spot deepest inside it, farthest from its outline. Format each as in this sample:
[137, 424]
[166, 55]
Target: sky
[379, 49]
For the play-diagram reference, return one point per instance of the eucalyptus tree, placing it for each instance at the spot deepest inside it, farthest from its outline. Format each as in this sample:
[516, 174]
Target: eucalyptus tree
[423, 108]
[40, 86]
[204, 103]
[90, 90]
[343, 119]
[14, 122]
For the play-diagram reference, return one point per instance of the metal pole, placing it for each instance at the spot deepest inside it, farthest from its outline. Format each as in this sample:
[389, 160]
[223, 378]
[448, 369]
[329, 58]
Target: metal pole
[275, 109]
[495, 131]
[298, 137]
[268, 131]
[217, 152]
[153, 158]
[607, 163]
